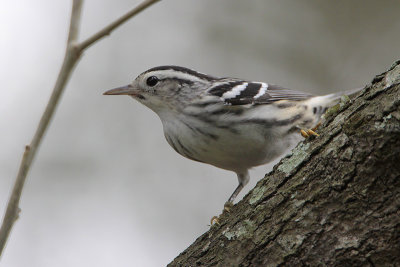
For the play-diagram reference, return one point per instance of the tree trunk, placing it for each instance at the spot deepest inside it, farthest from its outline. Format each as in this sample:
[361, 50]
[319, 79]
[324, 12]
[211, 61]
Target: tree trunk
[333, 202]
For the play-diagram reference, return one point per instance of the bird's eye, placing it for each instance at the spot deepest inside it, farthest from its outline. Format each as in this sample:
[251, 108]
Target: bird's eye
[151, 81]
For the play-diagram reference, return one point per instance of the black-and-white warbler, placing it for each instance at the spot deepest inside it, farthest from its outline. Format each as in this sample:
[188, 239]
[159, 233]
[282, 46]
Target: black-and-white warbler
[230, 123]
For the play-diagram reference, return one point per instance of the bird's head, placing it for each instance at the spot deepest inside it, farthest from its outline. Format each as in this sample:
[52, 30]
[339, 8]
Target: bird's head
[165, 87]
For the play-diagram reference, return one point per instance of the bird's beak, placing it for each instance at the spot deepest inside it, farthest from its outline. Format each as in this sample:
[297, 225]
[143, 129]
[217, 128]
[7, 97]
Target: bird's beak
[124, 90]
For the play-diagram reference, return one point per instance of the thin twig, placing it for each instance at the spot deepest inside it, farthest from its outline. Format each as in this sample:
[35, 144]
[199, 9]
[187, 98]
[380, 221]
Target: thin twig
[72, 55]
[75, 21]
[112, 26]
[12, 210]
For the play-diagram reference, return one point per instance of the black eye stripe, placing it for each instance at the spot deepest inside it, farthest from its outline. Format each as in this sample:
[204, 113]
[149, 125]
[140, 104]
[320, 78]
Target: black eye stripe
[152, 81]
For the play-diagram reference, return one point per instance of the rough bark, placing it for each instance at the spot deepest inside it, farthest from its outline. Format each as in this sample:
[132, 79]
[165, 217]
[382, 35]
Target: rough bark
[335, 201]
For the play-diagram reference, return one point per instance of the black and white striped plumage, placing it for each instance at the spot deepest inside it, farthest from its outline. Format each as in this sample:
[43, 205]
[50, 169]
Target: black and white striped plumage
[230, 123]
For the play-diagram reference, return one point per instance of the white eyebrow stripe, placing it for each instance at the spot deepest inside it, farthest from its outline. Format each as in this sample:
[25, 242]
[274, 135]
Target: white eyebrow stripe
[263, 89]
[235, 91]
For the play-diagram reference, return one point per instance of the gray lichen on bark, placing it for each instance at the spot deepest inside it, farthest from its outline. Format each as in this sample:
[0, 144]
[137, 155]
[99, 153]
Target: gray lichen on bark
[335, 201]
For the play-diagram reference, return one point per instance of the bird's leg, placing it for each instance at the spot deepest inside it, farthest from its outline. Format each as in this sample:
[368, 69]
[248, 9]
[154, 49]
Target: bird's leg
[243, 180]
[309, 132]
[229, 204]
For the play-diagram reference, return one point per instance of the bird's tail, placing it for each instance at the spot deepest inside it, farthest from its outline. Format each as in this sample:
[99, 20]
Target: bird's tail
[320, 104]
[334, 98]
[350, 93]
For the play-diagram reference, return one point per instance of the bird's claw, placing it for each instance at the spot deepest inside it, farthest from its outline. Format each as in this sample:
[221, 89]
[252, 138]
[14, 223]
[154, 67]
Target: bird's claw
[227, 208]
[214, 220]
[310, 132]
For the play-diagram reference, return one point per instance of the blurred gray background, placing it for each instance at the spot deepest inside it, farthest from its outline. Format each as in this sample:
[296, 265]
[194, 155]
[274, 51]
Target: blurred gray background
[106, 189]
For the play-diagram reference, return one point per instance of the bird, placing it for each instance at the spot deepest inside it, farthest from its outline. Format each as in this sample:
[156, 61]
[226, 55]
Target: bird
[230, 123]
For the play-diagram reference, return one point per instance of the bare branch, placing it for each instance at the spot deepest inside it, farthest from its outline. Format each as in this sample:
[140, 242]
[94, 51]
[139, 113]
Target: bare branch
[108, 29]
[72, 55]
[12, 211]
[75, 21]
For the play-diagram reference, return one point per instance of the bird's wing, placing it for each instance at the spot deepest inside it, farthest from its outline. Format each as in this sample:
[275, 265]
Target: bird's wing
[238, 92]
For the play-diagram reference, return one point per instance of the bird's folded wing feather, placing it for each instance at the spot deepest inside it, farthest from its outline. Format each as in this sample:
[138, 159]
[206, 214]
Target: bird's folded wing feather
[238, 92]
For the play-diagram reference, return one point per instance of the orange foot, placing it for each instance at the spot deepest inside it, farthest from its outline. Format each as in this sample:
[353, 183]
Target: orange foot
[310, 132]
[227, 207]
